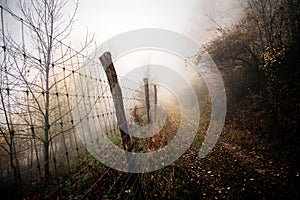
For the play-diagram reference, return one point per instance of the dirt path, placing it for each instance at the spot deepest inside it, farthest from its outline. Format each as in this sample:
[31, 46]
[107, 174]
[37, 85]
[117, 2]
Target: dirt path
[232, 172]
[255, 160]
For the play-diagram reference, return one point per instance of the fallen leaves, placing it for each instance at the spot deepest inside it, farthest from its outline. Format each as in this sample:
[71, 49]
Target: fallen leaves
[128, 191]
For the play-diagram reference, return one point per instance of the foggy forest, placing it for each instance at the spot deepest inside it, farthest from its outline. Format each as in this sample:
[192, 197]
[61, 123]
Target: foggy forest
[162, 99]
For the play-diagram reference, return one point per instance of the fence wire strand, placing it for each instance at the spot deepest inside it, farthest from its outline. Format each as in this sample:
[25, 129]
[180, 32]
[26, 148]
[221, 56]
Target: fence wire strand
[59, 104]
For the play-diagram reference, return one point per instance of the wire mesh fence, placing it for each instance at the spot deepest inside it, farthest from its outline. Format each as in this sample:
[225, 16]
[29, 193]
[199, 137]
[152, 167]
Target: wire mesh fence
[51, 108]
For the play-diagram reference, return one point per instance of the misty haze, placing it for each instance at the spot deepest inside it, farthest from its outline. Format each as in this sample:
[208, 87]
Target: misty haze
[140, 99]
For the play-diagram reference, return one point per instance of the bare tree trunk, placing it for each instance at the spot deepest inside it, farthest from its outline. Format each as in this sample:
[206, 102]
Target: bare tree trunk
[46, 123]
[46, 28]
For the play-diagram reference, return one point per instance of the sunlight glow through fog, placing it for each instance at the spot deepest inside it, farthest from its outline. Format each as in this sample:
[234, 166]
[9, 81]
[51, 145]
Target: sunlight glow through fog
[109, 18]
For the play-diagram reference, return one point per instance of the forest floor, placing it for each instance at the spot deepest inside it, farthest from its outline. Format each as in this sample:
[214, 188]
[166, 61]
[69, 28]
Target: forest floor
[233, 172]
[229, 171]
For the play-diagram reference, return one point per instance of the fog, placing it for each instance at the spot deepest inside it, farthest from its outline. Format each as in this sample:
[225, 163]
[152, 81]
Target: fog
[198, 20]
[194, 18]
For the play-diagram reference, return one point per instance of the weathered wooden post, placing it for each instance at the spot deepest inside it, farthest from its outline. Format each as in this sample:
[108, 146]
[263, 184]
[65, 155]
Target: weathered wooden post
[120, 113]
[146, 85]
[155, 103]
[155, 94]
[116, 92]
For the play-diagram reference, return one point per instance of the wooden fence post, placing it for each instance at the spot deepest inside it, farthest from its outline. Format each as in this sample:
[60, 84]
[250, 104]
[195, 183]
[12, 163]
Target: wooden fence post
[116, 92]
[146, 85]
[155, 94]
[155, 102]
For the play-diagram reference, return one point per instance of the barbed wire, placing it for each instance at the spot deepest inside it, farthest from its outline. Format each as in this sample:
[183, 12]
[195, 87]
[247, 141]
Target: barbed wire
[78, 92]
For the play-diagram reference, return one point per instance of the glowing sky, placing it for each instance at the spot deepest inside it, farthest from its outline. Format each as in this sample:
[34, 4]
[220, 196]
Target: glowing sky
[106, 18]
[196, 19]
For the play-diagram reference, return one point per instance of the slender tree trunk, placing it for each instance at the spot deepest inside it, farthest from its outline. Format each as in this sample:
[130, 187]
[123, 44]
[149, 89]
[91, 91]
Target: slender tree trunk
[11, 157]
[46, 122]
